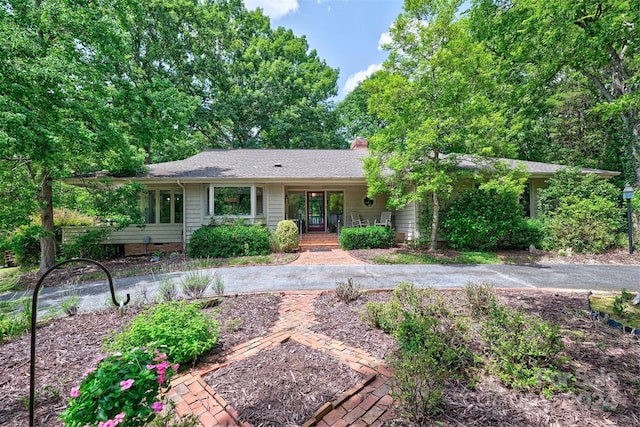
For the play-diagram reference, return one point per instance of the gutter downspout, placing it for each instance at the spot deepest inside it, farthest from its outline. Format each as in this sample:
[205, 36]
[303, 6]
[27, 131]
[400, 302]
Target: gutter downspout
[184, 216]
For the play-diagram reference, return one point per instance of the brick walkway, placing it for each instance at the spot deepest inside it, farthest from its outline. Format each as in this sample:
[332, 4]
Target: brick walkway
[328, 257]
[366, 404]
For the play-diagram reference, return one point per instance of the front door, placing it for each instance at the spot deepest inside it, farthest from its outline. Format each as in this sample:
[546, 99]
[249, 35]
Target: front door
[315, 211]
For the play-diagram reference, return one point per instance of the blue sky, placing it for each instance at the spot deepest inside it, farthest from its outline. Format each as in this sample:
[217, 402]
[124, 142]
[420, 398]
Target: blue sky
[345, 33]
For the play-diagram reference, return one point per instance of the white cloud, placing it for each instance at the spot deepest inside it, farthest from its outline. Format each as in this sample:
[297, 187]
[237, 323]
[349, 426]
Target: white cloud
[385, 40]
[355, 79]
[274, 9]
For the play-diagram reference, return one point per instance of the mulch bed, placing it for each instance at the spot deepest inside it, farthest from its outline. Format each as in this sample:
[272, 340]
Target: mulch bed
[68, 347]
[341, 321]
[284, 386]
[604, 361]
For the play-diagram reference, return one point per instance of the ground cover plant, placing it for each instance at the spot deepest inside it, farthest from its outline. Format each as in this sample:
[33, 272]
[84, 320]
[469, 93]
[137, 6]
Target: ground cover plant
[599, 364]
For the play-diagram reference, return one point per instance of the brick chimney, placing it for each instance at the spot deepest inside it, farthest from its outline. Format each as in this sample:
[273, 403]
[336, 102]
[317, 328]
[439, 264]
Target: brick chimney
[360, 144]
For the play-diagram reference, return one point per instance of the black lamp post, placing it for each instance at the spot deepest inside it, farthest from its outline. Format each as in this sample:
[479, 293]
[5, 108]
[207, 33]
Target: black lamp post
[627, 194]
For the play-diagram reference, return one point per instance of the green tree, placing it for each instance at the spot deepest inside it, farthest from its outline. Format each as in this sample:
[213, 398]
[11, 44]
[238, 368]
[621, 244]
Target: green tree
[434, 99]
[260, 87]
[542, 43]
[354, 116]
[55, 114]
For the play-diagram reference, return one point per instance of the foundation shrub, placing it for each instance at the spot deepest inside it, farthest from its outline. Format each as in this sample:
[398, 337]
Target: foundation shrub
[581, 212]
[367, 238]
[182, 328]
[486, 219]
[226, 241]
[286, 238]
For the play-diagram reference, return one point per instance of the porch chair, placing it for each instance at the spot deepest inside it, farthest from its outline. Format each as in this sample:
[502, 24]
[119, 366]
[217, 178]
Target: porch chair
[357, 222]
[385, 219]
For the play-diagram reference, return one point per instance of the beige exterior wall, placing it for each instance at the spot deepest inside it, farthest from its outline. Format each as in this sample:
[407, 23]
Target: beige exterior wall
[274, 208]
[406, 221]
[157, 233]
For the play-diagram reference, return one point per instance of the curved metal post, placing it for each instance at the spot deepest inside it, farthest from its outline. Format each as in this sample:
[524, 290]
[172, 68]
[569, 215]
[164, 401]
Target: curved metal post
[34, 316]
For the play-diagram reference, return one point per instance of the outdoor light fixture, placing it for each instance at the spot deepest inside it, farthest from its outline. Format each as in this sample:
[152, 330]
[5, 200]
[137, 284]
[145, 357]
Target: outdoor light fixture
[627, 194]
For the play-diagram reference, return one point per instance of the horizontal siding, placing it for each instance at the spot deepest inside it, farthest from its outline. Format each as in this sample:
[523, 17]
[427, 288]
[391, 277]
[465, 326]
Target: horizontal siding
[195, 199]
[405, 221]
[275, 204]
[159, 233]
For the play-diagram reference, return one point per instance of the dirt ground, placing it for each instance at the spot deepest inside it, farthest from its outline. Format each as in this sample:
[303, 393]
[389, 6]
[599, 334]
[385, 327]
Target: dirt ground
[604, 362]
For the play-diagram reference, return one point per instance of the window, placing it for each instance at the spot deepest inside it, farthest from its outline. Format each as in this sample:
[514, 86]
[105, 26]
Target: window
[232, 201]
[259, 201]
[163, 206]
[235, 201]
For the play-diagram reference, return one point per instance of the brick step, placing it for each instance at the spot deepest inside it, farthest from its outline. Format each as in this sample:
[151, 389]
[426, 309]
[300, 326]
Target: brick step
[311, 241]
[311, 246]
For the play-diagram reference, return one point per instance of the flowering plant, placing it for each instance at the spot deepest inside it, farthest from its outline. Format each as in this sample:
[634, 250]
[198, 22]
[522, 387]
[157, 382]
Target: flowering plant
[122, 390]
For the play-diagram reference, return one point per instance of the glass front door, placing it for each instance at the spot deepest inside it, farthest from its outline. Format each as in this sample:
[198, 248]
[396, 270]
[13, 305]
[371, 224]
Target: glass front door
[315, 211]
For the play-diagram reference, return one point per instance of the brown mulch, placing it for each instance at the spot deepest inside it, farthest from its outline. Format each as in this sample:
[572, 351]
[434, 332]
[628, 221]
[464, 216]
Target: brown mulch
[68, 347]
[604, 362]
[284, 386]
[341, 321]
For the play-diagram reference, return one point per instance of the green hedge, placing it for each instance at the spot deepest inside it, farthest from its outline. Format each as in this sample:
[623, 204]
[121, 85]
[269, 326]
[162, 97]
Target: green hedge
[227, 241]
[487, 220]
[367, 238]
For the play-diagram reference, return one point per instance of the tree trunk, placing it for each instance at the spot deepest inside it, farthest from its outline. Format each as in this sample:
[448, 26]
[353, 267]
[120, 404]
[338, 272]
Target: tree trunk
[48, 238]
[435, 221]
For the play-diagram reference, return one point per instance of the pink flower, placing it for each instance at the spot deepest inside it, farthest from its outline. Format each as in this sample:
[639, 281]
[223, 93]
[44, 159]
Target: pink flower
[150, 367]
[156, 406]
[126, 384]
[160, 357]
[119, 418]
[75, 391]
[108, 423]
[175, 367]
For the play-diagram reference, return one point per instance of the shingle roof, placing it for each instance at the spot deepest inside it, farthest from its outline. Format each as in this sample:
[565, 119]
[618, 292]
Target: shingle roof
[300, 164]
[263, 163]
[534, 168]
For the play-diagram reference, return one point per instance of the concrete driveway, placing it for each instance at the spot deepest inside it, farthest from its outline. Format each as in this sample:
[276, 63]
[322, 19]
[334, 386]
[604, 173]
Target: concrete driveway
[307, 277]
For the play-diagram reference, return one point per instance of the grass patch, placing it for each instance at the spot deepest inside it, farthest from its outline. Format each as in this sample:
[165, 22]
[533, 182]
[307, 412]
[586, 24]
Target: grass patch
[250, 260]
[618, 307]
[423, 258]
[9, 279]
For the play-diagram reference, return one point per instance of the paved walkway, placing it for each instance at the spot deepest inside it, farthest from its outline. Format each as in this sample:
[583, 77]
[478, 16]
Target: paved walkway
[366, 404]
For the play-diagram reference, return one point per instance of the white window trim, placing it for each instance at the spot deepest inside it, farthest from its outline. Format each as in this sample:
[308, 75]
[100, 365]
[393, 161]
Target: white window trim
[172, 191]
[252, 187]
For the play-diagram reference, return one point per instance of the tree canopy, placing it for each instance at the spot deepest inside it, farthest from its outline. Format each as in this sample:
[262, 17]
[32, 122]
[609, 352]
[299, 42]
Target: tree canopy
[433, 96]
[113, 84]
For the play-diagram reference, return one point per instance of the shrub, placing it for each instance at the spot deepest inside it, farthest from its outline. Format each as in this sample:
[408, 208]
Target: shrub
[480, 297]
[367, 238]
[406, 300]
[227, 241]
[348, 291]
[25, 245]
[487, 220]
[167, 290]
[286, 237]
[584, 225]
[581, 212]
[123, 388]
[522, 349]
[88, 245]
[181, 327]
[417, 383]
[194, 284]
